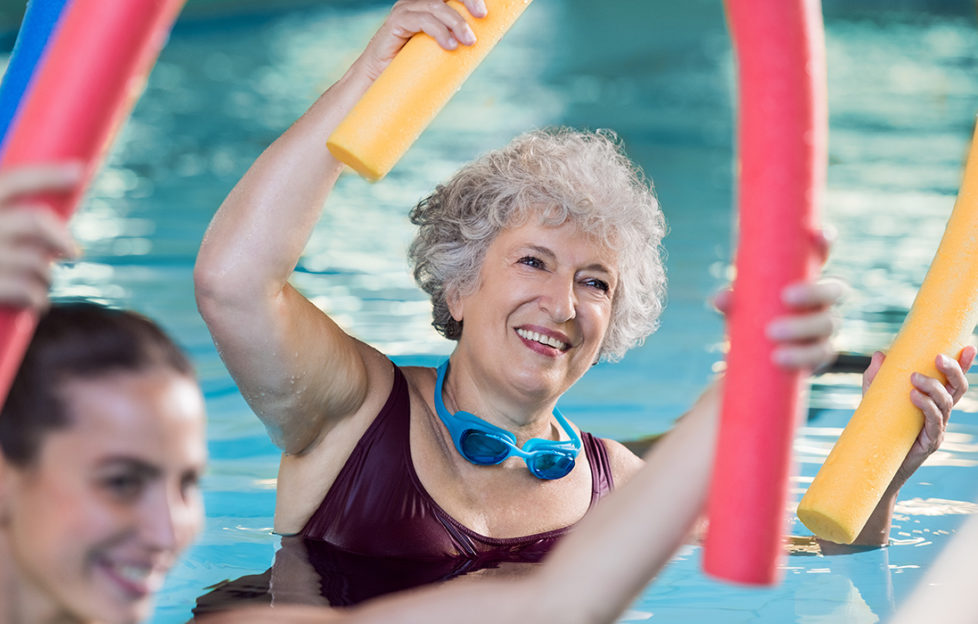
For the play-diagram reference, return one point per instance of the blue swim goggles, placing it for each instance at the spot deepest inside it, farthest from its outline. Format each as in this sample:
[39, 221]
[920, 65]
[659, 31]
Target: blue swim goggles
[485, 444]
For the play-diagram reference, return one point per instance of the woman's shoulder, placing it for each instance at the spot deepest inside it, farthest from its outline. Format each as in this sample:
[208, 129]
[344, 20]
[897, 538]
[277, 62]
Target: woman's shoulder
[623, 462]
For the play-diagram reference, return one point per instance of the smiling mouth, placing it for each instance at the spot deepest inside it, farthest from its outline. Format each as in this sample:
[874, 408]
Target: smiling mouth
[543, 339]
[136, 580]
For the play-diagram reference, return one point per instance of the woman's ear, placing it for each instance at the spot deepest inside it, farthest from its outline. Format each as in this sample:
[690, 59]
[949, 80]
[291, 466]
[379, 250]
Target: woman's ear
[455, 306]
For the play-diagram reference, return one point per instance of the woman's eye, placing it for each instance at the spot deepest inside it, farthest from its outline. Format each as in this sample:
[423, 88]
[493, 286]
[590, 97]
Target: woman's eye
[190, 483]
[532, 261]
[598, 284]
[124, 486]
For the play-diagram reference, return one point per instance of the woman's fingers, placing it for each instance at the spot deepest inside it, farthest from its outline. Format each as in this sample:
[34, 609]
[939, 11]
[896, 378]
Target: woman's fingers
[476, 7]
[25, 275]
[20, 292]
[722, 300]
[35, 227]
[935, 392]
[932, 433]
[36, 179]
[30, 238]
[807, 356]
[824, 238]
[409, 17]
[804, 338]
[967, 357]
[935, 400]
[802, 328]
[953, 371]
[874, 367]
[813, 295]
[435, 18]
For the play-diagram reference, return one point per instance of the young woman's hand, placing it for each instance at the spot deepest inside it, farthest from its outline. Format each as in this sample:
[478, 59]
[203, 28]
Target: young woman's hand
[804, 336]
[31, 237]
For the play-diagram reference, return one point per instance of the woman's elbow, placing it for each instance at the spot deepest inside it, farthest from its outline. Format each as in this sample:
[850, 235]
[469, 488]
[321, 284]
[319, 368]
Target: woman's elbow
[220, 284]
[210, 289]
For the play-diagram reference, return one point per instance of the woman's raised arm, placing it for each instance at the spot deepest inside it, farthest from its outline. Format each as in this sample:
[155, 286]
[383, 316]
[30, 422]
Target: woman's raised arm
[298, 370]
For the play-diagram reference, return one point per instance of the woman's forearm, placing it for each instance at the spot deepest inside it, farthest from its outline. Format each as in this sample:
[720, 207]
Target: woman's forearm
[262, 227]
[624, 542]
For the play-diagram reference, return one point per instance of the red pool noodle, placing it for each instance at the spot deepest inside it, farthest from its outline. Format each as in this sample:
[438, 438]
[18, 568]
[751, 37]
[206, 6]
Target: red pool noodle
[92, 70]
[782, 143]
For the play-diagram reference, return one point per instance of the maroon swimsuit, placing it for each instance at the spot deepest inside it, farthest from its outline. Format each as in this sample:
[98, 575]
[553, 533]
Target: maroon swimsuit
[377, 506]
[378, 531]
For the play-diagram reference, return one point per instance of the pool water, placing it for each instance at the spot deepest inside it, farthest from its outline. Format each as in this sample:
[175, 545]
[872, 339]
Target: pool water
[902, 102]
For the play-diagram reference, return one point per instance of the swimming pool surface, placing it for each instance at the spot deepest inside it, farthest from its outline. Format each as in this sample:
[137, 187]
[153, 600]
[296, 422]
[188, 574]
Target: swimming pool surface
[902, 102]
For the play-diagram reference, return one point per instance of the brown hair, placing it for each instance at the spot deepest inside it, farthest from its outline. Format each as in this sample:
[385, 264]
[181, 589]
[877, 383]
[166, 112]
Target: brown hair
[78, 340]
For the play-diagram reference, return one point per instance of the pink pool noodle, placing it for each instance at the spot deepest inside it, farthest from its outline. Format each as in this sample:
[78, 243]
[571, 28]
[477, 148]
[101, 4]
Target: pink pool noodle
[93, 68]
[782, 141]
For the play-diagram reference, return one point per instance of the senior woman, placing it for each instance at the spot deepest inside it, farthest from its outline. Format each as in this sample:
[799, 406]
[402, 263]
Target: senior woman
[541, 259]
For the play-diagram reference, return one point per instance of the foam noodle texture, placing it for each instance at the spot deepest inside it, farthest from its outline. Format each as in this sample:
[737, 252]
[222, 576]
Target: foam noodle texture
[782, 148]
[880, 433]
[40, 20]
[404, 99]
[92, 68]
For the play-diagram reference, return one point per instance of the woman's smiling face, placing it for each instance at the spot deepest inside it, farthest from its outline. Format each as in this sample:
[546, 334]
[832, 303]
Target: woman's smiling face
[540, 311]
[97, 520]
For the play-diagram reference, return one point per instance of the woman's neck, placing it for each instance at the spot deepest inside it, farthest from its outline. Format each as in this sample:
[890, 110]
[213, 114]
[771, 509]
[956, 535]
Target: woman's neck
[466, 389]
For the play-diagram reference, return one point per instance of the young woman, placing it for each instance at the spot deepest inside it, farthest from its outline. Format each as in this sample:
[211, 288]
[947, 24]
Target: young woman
[101, 448]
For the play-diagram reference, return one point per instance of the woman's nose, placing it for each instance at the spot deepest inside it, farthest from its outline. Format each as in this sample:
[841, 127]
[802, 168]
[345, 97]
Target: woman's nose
[559, 299]
[169, 521]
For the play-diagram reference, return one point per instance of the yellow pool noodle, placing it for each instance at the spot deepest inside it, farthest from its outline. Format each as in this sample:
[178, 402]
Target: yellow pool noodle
[404, 99]
[867, 455]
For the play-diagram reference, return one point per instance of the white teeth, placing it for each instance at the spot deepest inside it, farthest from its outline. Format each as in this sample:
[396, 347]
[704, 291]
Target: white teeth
[134, 573]
[545, 340]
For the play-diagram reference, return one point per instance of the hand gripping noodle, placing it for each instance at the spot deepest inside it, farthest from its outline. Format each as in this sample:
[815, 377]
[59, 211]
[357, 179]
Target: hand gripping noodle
[782, 134]
[92, 68]
[404, 99]
[880, 433]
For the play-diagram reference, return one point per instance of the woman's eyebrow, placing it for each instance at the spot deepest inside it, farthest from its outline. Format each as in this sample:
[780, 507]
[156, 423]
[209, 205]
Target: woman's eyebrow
[546, 251]
[543, 251]
[132, 464]
[598, 266]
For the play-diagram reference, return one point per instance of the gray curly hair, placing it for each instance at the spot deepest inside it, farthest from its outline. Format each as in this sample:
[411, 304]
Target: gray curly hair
[555, 175]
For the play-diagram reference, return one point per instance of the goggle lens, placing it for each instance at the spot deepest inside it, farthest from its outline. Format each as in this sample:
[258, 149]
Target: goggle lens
[482, 448]
[552, 465]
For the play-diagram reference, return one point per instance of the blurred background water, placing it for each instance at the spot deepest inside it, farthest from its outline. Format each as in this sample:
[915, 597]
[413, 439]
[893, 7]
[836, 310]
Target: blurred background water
[235, 74]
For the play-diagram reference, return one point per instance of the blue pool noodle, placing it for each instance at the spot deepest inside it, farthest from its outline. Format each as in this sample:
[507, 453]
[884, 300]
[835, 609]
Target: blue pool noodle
[40, 20]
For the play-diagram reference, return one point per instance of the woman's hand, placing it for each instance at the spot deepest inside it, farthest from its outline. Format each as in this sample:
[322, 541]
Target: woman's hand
[804, 337]
[408, 17]
[934, 399]
[31, 236]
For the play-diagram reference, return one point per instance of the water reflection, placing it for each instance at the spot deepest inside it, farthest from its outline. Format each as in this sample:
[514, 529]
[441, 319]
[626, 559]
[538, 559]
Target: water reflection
[845, 604]
[313, 572]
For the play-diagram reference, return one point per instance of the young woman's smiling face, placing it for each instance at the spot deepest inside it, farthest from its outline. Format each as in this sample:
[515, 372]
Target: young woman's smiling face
[97, 520]
[542, 306]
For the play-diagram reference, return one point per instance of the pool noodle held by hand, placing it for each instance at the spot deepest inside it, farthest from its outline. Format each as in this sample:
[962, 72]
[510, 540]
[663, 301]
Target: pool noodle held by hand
[93, 64]
[782, 137]
[883, 428]
[412, 90]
